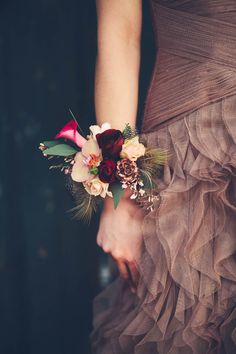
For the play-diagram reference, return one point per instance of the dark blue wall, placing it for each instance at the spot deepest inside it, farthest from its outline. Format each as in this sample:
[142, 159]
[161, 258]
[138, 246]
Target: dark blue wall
[49, 263]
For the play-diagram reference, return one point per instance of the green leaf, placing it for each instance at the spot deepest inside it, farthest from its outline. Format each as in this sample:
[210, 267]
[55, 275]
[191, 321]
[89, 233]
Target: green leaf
[94, 170]
[117, 192]
[51, 143]
[61, 150]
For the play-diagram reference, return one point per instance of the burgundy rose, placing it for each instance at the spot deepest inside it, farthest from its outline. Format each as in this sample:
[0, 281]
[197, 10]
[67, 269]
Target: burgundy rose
[107, 171]
[110, 142]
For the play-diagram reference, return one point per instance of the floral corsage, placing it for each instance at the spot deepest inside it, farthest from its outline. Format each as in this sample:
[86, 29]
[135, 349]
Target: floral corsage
[104, 163]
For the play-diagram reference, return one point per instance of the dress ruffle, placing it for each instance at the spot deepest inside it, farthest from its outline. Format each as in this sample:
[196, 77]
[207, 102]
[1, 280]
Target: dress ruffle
[186, 297]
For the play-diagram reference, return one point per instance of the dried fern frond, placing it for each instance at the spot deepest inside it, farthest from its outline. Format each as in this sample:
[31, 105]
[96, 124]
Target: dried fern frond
[156, 155]
[146, 177]
[86, 204]
[153, 160]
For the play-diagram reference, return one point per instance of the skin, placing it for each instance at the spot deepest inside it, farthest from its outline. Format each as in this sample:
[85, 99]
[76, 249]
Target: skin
[116, 99]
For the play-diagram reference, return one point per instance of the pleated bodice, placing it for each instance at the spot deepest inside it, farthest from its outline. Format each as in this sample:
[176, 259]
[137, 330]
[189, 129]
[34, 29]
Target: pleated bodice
[196, 57]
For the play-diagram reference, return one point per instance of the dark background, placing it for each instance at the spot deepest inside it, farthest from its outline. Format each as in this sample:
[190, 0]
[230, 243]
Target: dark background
[50, 265]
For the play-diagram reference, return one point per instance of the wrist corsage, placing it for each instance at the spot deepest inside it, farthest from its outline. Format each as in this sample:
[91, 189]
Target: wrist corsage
[105, 163]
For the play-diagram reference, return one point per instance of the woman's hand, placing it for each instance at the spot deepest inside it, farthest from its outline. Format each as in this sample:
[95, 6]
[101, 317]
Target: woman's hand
[120, 234]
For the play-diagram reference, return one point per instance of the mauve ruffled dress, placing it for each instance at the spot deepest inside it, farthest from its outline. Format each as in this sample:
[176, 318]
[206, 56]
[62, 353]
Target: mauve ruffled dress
[185, 301]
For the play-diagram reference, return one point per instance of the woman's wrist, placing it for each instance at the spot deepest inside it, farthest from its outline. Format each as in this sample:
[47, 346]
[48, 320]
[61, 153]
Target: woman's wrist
[125, 202]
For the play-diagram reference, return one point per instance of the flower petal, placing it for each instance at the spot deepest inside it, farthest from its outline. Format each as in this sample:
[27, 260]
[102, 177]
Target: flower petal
[91, 147]
[109, 193]
[105, 126]
[95, 129]
[80, 172]
[69, 131]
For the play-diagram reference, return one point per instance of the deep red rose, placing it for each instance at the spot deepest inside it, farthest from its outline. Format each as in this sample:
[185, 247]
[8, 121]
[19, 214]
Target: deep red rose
[110, 142]
[107, 171]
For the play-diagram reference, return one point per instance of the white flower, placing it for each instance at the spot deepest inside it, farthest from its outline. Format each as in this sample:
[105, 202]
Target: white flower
[95, 129]
[97, 187]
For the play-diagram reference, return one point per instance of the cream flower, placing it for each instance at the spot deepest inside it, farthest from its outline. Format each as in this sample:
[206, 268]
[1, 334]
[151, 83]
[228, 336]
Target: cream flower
[132, 149]
[97, 187]
[95, 129]
[80, 170]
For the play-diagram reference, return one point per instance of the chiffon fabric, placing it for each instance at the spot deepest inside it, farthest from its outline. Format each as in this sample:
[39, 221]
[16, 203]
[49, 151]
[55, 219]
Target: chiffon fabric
[186, 296]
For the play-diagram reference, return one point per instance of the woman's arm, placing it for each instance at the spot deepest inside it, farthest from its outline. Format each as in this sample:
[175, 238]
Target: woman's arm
[116, 98]
[118, 61]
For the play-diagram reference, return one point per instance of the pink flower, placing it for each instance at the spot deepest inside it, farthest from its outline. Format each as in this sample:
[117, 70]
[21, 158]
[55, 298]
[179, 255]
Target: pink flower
[69, 131]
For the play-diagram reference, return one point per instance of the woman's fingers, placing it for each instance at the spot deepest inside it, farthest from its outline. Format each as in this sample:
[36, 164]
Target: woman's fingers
[129, 272]
[125, 274]
[134, 273]
[122, 269]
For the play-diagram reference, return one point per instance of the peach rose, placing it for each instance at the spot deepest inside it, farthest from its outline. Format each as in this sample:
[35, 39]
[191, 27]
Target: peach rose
[132, 149]
[97, 187]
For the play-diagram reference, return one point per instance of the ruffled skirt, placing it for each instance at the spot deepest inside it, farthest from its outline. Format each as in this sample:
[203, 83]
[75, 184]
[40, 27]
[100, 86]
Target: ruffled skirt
[186, 297]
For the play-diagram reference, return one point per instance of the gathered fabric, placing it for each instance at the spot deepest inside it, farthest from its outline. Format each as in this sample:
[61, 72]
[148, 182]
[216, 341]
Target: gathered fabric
[186, 297]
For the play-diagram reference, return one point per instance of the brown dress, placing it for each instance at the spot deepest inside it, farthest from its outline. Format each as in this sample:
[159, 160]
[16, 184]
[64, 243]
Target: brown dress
[186, 297]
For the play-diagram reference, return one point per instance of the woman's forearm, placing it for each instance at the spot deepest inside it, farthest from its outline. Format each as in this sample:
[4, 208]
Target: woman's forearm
[118, 62]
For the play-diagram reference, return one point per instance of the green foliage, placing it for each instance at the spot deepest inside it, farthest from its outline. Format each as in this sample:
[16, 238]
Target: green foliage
[51, 143]
[117, 192]
[61, 150]
[128, 132]
[94, 170]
